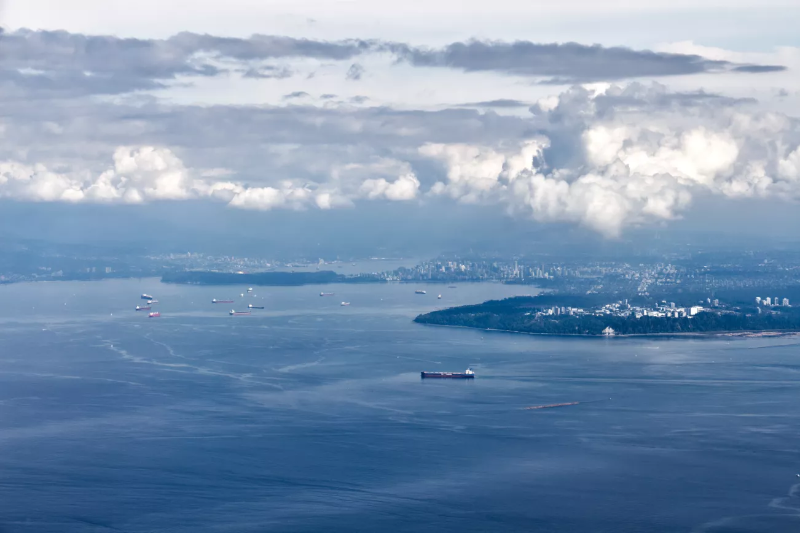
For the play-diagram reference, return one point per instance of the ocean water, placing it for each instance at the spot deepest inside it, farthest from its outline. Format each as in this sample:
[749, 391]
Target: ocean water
[309, 416]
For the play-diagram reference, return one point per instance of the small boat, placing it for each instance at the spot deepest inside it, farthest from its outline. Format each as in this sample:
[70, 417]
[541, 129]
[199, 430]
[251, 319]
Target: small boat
[251, 306]
[154, 315]
[250, 289]
[238, 313]
[344, 304]
[468, 374]
[215, 301]
[452, 287]
[439, 297]
[419, 291]
[143, 307]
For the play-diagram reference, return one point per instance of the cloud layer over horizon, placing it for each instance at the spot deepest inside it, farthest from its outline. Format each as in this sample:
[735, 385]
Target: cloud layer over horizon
[63, 64]
[605, 156]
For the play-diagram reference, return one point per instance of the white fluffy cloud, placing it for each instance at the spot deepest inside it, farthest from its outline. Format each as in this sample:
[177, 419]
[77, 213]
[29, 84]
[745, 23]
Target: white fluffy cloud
[138, 175]
[37, 183]
[142, 174]
[632, 163]
[606, 157]
[403, 188]
[477, 173]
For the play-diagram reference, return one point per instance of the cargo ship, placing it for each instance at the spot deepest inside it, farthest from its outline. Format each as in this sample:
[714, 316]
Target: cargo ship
[326, 294]
[215, 301]
[418, 291]
[154, 315]
[345, 304]
[468, 374]
[238, 313]
[143, 307]
[251, 306]
[146, 297]
[149, 302]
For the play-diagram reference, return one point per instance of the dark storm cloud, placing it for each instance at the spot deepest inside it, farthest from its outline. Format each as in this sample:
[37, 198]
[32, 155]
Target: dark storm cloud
[567, 63]
[42, 64]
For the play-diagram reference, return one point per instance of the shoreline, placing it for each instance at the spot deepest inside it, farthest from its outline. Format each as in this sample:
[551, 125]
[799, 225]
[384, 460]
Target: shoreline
[772, 334]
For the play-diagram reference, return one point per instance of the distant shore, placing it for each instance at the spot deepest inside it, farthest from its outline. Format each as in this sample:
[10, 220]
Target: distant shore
[740, 334]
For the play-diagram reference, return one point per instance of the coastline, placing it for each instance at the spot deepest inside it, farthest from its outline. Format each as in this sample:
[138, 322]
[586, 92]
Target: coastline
[733, 334]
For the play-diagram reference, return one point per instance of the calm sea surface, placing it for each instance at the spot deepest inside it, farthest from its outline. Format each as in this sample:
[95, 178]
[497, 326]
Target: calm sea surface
[309, 416]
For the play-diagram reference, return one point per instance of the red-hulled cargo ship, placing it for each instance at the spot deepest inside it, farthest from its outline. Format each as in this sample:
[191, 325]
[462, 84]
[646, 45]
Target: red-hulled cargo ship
[215, 301]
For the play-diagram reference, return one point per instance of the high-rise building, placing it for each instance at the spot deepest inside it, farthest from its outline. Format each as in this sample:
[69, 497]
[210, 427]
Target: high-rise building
[716, 303]
[767, 301]
[786, 302]
[758, 300]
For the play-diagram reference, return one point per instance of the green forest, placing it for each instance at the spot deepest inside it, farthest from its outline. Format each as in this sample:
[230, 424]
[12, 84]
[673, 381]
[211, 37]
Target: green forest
[519, 314]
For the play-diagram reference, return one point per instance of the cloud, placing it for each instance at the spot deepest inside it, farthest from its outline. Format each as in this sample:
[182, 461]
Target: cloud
[138, 175]
[267, 72]
[480, 173]
[355, 72]
[569, 62]
[295, 95]
[37, 183]
[403, 188]
[46, 64]
[758, 69]
[71, 64]
[636, 158]
[604, 156]
[499, 103]
[146, 173]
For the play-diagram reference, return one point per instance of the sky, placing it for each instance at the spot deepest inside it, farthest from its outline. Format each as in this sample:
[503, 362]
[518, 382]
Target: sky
[334, 118]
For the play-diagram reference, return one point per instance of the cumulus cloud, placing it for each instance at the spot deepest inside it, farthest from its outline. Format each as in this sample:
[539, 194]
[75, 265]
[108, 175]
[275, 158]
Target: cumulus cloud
[403, 188]
[477, 173]
[629, 166]
[144, 174]
[138, 175]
